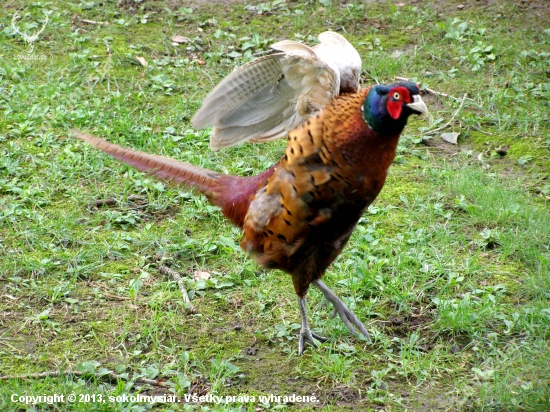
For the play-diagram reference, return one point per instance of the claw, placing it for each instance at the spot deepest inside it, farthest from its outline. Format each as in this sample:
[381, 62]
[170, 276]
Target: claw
[320, 338]
[306, 335]
[348, 317]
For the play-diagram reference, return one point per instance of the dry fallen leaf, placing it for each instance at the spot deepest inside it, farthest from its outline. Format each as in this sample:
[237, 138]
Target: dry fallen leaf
[460, 6]
[397, 54]
[180, 39]
[198, 275]
[450, 137]
[142, 61]
[400, 4]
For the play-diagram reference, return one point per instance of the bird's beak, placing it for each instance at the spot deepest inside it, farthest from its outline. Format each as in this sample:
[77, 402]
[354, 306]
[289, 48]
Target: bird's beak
[418, 105]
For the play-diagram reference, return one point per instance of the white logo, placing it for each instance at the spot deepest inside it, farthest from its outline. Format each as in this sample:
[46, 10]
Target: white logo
[29, 39]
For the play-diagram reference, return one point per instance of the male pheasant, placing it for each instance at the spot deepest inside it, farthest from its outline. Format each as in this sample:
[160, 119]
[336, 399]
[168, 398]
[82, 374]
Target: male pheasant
[298, 215]
[270, 96]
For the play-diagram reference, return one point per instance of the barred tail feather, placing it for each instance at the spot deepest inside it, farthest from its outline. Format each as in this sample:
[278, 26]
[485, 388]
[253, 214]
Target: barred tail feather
[232, 194]
[204, 180]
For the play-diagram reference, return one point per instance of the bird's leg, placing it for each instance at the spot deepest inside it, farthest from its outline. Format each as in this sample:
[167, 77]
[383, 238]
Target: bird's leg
[348, 317]
[306, 335]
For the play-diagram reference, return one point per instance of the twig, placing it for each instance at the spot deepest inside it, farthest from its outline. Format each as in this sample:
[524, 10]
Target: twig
[464, 98]
[2, 342]
[431, 91]
[110, 201]
[165, 270]
[107, 376]
[106, 43]
[94, 23]
[481, 131]
[452, 117]
[104, 202]
[110, 295]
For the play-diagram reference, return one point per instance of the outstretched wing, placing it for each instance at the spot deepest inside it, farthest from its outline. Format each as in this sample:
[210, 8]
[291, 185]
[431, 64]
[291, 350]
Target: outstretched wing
[268, 97]
[334, 47]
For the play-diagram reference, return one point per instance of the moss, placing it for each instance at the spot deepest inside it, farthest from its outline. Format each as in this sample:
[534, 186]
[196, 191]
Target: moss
[400, 259]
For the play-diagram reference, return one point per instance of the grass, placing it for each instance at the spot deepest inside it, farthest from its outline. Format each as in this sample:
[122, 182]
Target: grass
[449, 268]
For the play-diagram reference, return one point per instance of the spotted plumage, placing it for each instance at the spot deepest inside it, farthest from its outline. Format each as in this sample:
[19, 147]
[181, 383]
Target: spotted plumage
[298, 215]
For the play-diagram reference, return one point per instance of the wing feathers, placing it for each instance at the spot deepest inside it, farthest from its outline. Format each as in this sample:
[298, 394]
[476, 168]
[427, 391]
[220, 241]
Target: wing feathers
[270, 96]
[236, 88]
[294, 47]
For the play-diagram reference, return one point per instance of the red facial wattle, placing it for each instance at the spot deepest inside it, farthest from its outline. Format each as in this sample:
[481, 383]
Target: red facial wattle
[397, 97]
[394, 108]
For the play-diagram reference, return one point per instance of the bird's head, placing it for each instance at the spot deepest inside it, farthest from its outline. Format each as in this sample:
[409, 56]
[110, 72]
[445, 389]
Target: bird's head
[388, 107]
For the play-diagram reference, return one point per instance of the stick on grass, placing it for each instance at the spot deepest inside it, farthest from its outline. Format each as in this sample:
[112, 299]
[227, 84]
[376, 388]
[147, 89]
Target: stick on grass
[111, 376]
[165, 270]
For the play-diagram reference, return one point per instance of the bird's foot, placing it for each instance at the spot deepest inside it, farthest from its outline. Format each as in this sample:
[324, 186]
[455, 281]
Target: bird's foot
[348, 317]
[307, 336]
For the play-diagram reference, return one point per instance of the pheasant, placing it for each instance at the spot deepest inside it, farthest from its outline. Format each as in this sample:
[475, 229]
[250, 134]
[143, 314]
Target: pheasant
[298, 215]
[270, 96]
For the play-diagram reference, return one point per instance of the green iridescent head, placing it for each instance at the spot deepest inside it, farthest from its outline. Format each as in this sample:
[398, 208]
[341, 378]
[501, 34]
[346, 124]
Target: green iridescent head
[388, 107]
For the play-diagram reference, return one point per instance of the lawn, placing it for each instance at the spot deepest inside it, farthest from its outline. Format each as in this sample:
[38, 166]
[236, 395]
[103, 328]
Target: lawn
[449, 269]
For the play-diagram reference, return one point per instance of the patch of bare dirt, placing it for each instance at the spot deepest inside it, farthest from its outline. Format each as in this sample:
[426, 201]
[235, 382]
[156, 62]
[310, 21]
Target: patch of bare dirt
[201, 2]
[531, 8]
[438, 145]
[434, 402]
[142, 6]
[342, 396]
[404, 325]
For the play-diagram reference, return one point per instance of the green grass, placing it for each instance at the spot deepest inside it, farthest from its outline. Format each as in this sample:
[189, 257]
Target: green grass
[449, 268]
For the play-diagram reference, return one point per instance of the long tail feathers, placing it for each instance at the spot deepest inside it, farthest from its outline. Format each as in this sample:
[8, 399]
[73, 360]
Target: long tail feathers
[204, 180]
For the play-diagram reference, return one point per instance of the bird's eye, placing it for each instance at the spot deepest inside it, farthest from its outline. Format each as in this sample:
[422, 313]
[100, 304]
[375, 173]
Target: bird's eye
[396, 96]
